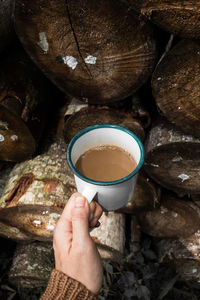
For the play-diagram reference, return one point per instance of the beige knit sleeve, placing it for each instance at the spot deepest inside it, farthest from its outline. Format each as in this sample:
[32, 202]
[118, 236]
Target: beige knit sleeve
[62, 287]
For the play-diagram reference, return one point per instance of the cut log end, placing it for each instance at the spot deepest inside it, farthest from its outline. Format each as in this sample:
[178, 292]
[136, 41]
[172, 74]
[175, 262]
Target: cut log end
[180, 18]
[175, 166]
[172, 158]
[99, 63]
[32, 265]
[174, 218]
[91, 116]
[16, 141]
[172, 86]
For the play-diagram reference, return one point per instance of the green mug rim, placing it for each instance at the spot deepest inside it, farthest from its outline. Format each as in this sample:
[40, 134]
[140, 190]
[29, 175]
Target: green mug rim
[98, 126]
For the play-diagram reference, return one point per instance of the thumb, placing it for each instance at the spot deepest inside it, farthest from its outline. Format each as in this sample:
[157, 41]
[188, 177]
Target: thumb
[80, 221]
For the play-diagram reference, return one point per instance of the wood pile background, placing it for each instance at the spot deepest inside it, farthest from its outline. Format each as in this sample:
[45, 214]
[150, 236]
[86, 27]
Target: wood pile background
[65, 65]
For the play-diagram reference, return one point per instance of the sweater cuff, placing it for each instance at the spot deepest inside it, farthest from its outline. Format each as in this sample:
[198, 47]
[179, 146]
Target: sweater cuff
[63, 287]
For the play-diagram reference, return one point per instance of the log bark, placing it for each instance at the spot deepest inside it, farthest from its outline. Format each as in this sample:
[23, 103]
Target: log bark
[98, 61]
[145, 197]
[182, 254]
[91, 116]
[173, 158]
[6, 24]
[179, 17]
[110, 236]
[31, 266]
[5, 169]
[24, 95]
[175, 86]
[37, 191]
[175, 218]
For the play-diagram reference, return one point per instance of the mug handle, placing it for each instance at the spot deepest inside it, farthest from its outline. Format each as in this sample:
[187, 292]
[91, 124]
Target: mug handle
[89, 194]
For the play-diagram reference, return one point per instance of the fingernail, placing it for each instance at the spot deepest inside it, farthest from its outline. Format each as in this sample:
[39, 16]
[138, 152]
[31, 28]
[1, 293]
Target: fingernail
[79, 202]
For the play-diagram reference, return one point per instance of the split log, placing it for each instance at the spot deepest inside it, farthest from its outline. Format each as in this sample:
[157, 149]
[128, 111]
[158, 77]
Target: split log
[24, 95]
[175, 218]
[182, 254]
[91, 116]
[173, 158]
[180, 17]
[145, 197]
[32, 265]
[6, 24]
[98, 61]
[110, 236]
[176, 88]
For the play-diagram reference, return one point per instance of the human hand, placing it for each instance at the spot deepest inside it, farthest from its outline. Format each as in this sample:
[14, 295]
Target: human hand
[75, 252]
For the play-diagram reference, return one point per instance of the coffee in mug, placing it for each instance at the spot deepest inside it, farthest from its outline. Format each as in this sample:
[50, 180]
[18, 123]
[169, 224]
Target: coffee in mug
[106, 163]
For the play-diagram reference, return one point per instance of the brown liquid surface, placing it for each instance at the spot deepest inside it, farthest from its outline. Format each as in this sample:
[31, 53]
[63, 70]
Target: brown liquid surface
[106, 163]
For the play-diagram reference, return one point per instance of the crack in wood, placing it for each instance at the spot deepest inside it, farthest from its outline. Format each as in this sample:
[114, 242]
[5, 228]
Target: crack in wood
[76, 40]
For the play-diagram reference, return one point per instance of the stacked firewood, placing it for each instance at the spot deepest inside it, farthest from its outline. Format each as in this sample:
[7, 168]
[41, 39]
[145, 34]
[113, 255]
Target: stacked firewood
[107, 58]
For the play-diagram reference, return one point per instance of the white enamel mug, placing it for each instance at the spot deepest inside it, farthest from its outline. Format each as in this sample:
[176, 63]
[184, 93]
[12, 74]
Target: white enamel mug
[111, 195]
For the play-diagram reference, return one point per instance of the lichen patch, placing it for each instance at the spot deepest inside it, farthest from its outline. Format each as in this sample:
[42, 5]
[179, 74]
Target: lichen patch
[43, 43]
[177, 158]
[183, 177]
[1, 138]
[14, 137]
[70, 61]
[90, 59]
